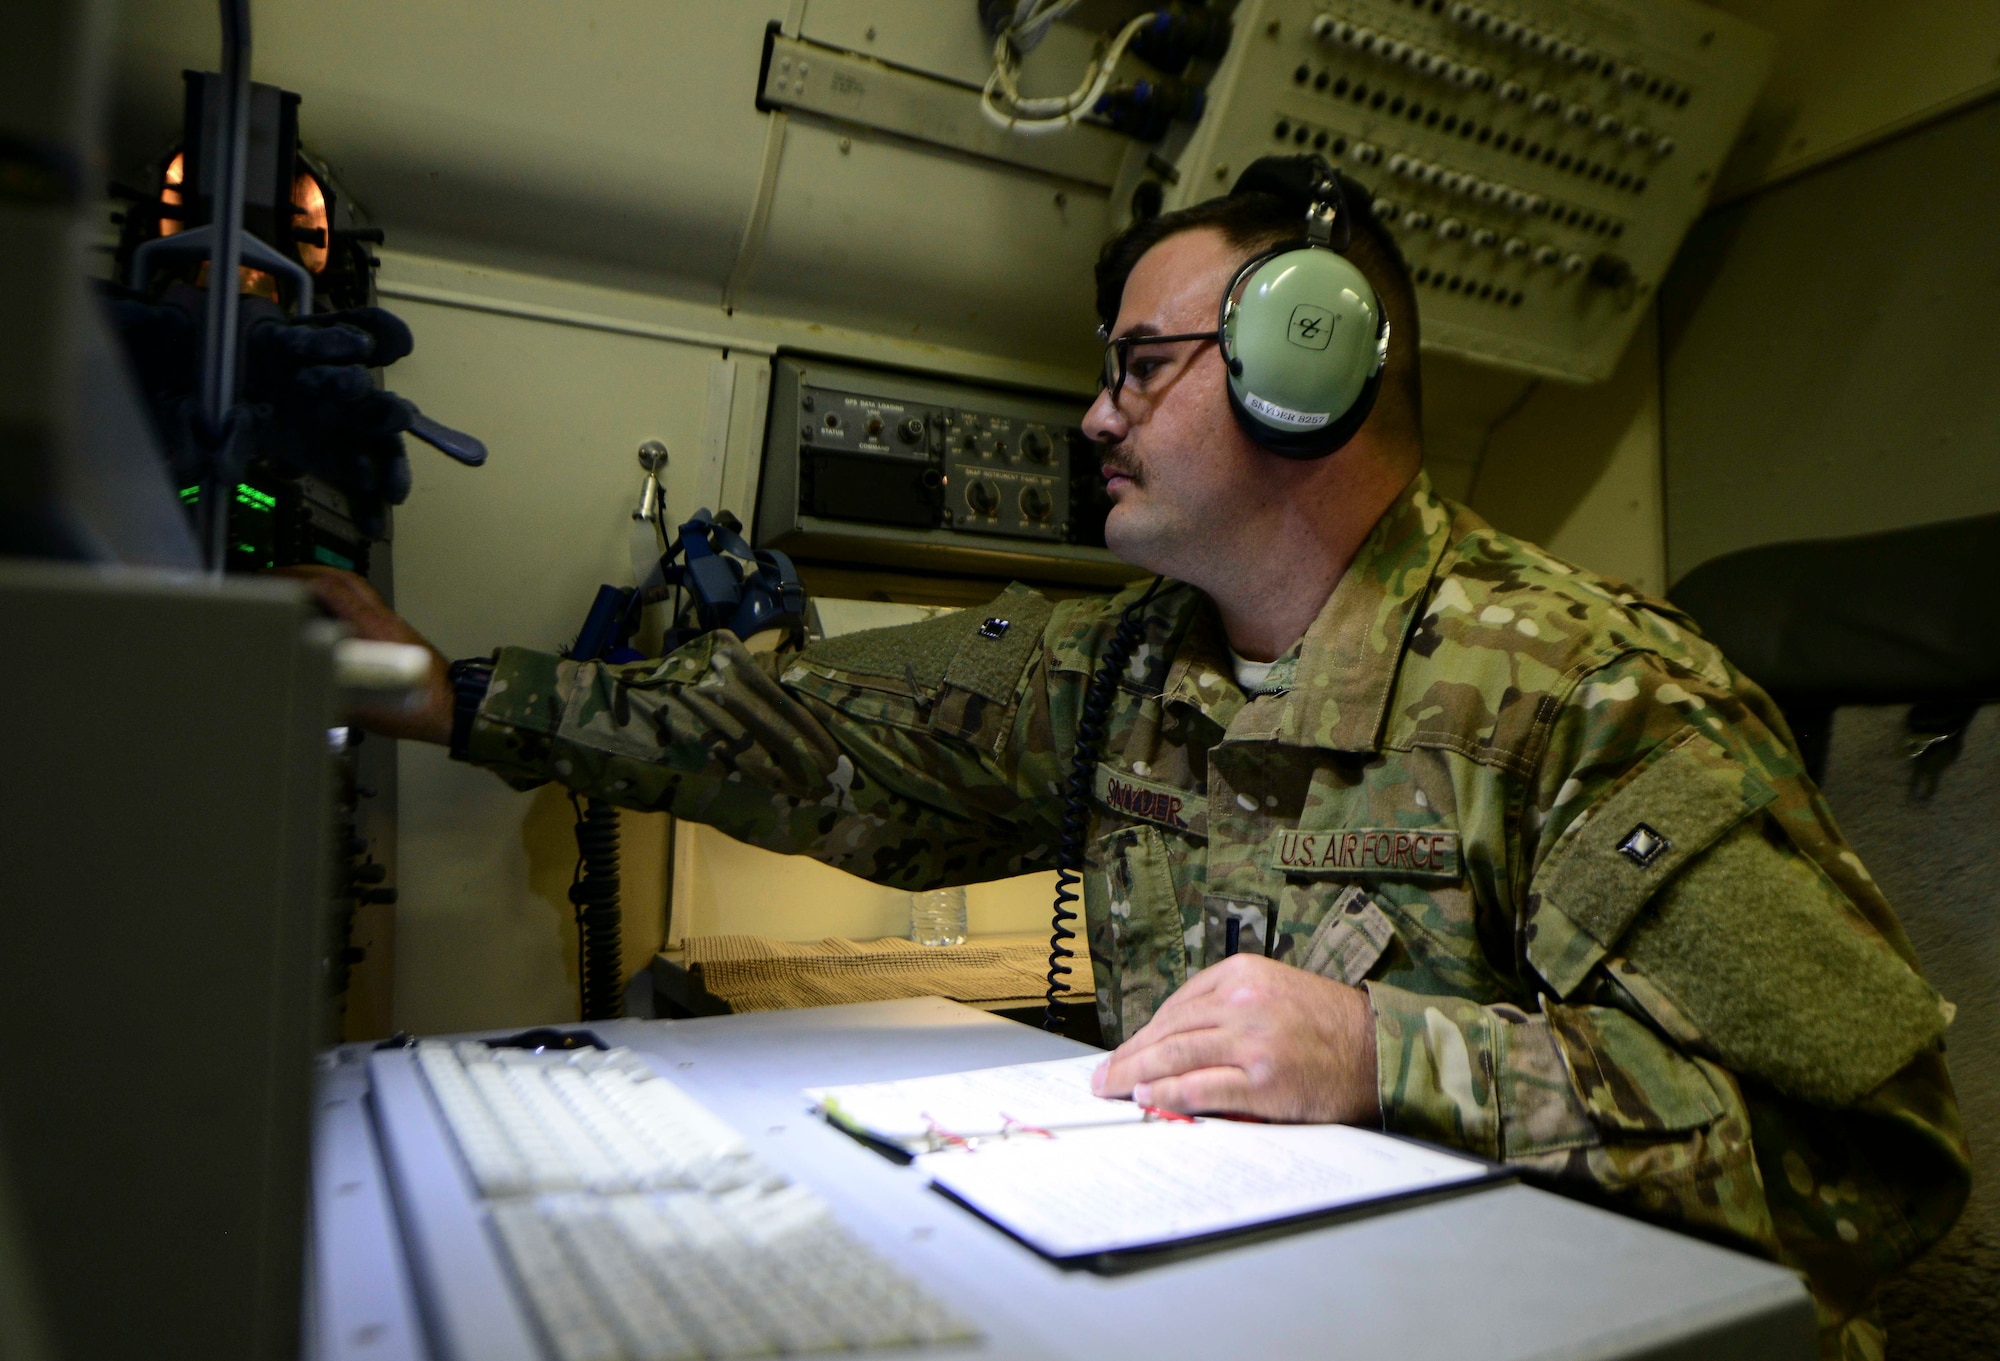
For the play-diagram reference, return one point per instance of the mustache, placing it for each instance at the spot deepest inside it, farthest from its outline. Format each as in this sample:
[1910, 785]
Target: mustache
[1117, 459]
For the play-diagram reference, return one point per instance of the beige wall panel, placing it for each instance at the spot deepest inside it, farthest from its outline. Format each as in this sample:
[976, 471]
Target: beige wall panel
[949, 41]
[510, 554]
[1847, 72]
[1577, 470]
[1463, 402]
[620, 134]
[724, 887]
[1830, 350]
[870, 233]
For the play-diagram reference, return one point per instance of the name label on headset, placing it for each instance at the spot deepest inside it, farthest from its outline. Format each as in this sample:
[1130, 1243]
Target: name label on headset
[1284, 415]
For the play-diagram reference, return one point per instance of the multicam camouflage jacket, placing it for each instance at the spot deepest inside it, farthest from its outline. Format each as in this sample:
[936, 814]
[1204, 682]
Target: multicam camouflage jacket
[1609, 930]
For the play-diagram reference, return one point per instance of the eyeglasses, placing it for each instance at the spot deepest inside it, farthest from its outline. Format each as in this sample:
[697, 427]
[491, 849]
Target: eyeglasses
[1118, 358]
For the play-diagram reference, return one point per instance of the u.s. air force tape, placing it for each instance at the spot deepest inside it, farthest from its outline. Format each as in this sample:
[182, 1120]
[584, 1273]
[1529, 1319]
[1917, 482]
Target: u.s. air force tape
[1183, 810]
[1367, 852]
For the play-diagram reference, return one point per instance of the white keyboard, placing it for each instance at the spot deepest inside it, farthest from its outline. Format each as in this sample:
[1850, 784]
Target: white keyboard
[642, 1228]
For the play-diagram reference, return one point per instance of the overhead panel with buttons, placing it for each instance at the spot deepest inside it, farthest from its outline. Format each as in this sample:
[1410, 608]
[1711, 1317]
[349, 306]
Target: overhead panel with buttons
[1538, 163]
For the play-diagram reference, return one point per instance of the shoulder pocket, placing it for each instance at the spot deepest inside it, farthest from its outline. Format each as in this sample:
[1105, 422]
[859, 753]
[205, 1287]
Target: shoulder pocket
[1612, 861]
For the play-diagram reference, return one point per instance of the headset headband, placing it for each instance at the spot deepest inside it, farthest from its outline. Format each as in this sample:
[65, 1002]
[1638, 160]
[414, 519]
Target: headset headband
[1328, 199]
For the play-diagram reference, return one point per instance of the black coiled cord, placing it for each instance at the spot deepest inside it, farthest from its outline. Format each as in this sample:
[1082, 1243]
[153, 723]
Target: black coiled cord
[1076, 794]
[594, 894]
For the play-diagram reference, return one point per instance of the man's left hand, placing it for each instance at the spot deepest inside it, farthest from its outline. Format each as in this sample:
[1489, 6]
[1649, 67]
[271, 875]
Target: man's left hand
[1251, 1036]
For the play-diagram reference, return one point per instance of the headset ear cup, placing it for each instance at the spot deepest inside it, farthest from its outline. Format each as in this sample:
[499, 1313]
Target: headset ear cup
[1308, 444]
[1290, 358]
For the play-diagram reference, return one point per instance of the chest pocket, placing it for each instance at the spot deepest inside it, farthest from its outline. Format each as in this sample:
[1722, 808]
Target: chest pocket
[1137, 936]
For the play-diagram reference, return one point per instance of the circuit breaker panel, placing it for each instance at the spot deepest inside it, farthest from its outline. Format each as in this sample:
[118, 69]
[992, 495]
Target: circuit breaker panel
[1537, 161]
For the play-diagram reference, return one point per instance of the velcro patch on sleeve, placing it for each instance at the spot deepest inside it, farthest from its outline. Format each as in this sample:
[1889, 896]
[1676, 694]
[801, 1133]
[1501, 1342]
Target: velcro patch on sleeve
[982, 650]
[1180, 810]
[1782, 977]
[1367, 853]
[1612, 862]
[996, 642]
[917, 654]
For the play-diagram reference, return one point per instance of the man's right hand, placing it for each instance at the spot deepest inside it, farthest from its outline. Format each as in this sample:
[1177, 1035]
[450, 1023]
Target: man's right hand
[356, 604]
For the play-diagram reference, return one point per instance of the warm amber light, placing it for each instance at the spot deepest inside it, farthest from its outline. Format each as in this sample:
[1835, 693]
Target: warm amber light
[310, 200]
[170, 194]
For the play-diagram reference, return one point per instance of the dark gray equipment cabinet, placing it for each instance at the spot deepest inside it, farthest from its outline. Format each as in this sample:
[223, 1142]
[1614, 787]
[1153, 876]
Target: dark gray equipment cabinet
[165, 857]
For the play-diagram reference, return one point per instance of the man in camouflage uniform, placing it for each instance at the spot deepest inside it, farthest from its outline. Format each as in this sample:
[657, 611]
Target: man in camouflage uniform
[1512, 859]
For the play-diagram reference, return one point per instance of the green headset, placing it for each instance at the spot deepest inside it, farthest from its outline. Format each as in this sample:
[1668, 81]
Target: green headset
[1302, 330]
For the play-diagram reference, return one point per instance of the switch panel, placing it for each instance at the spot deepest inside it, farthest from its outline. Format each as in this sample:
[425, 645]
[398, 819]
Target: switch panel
[873, 466]
[1538, 162]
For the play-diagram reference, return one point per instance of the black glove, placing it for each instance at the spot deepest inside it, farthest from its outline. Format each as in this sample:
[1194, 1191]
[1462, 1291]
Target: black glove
[318, 409]
[312, 404]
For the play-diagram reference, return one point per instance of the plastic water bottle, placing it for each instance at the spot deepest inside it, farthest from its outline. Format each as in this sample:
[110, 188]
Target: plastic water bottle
[937, 917]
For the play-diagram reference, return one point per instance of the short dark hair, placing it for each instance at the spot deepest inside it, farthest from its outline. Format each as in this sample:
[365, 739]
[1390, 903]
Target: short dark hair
[1255, 222]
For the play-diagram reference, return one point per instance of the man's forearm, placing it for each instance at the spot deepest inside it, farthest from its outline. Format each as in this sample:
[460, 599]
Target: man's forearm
[713, 735]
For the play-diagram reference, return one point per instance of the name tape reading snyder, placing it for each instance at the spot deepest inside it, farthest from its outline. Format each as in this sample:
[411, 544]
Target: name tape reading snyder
[1181, 809]
[1399, 852]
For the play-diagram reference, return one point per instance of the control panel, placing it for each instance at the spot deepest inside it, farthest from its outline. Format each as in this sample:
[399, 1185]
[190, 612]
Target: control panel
[872, 466]
[1538, 161]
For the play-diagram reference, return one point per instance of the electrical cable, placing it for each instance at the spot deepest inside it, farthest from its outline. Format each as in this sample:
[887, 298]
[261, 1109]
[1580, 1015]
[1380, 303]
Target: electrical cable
[1051, 113]
[1076, 794]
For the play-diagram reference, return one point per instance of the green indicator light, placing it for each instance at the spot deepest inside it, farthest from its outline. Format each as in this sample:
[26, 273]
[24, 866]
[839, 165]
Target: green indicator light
[247, 495]
[190, 494]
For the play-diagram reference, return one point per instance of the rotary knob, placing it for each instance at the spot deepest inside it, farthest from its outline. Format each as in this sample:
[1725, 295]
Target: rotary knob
[979, 495]
[1036, 446]
[1036, 504]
